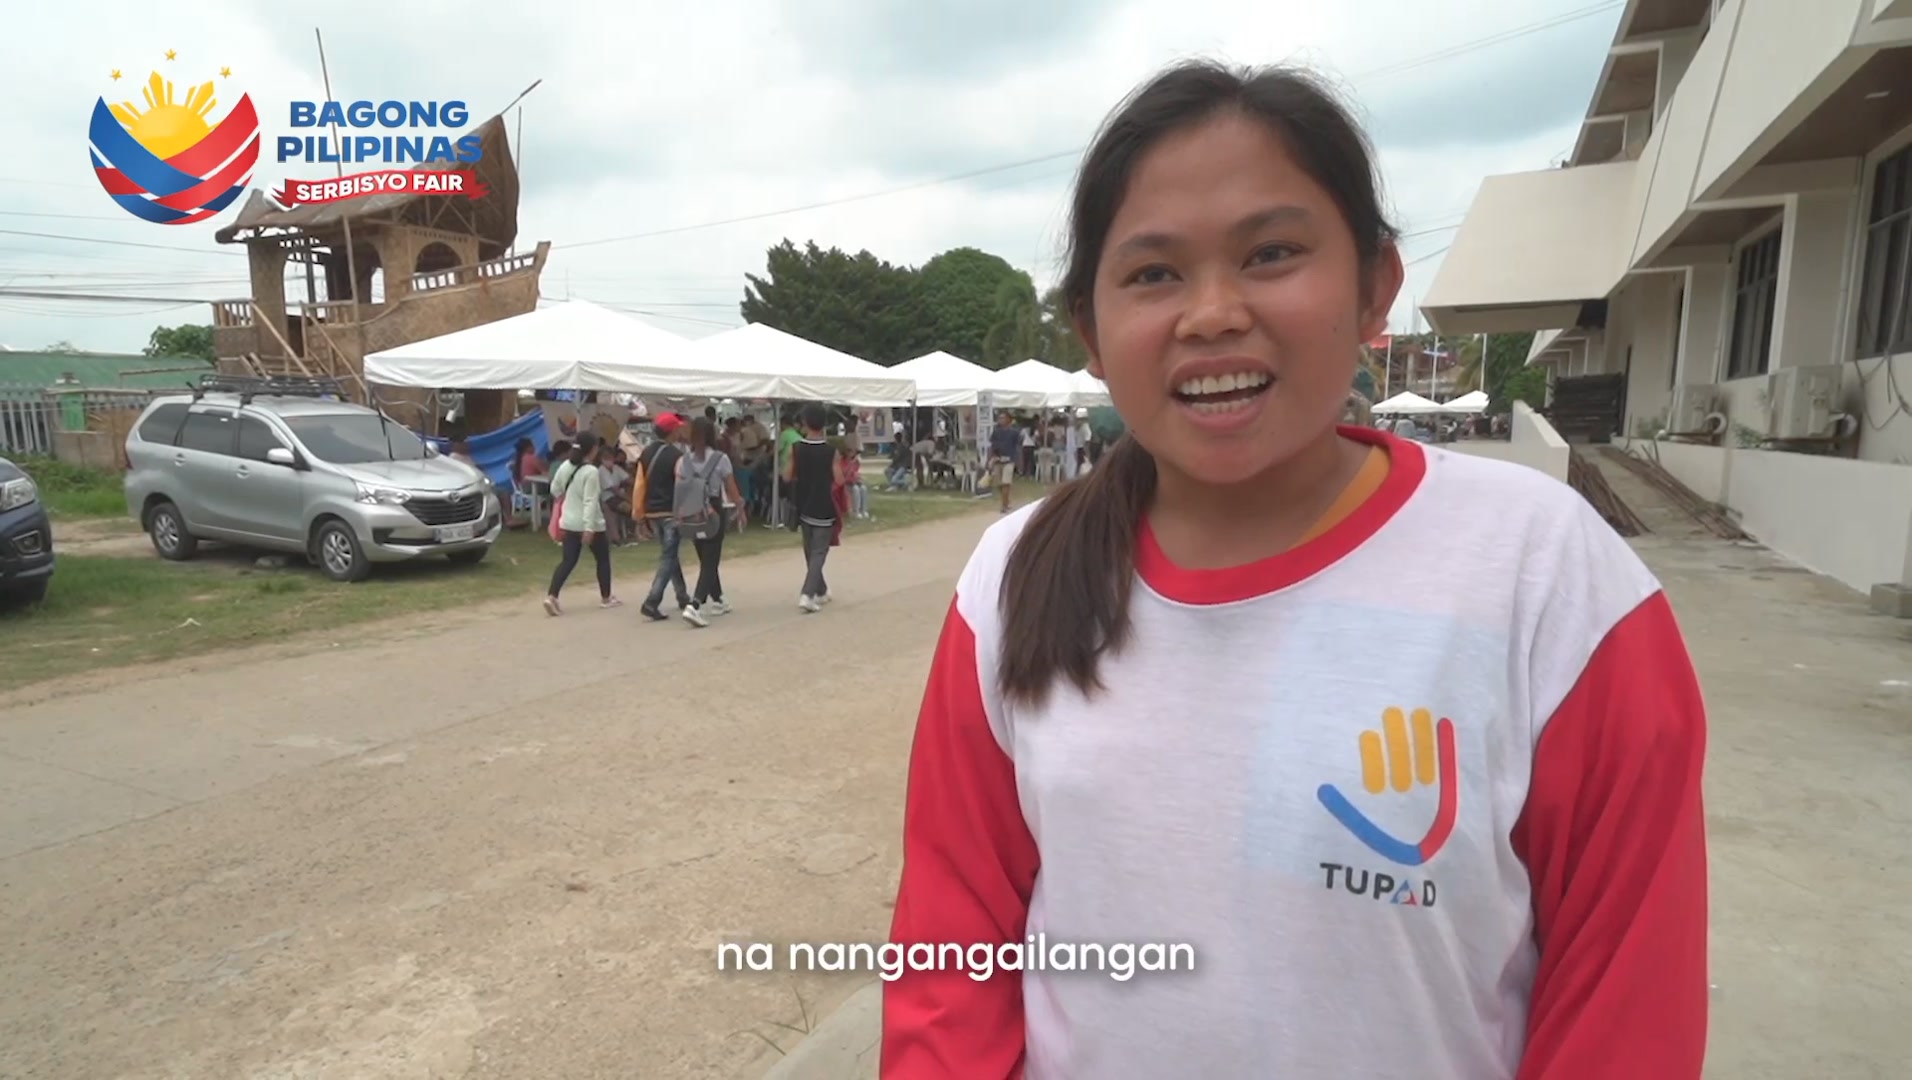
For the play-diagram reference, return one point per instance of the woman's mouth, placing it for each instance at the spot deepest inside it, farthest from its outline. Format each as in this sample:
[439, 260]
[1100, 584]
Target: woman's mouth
[1215, 394]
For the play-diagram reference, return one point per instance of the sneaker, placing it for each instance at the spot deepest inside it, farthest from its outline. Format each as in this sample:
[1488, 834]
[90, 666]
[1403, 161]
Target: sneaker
[715, 607]
[650, 612]
[808, 605]
[823, 599]
[551, 606]
[610, 602]
[694, 617]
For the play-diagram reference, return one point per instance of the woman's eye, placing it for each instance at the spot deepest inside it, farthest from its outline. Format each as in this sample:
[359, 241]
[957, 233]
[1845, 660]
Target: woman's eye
[1271, 253]
[1151, 275]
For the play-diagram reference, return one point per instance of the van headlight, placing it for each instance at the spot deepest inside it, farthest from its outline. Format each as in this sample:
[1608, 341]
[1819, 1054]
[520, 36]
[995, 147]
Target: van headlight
[17, 492]
[384, 496]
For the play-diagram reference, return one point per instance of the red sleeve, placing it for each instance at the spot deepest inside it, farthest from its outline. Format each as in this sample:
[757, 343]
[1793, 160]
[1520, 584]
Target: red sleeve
[969, 864]
[1614, 838]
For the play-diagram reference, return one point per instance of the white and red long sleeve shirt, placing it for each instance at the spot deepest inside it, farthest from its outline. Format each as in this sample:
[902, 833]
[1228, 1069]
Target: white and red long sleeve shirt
[1422, 794]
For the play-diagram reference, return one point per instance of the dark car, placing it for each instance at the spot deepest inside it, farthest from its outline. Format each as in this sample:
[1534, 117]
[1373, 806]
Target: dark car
[26, 537]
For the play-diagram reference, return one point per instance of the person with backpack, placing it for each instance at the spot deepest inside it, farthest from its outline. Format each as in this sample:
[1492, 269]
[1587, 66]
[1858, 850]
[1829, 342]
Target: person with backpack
[706, 487]
[814, 471]
[580, 521]
[656, 493]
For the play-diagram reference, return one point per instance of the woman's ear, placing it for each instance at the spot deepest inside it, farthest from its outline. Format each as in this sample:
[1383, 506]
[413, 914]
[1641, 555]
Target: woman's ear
[1084, 324]
[1385, 275]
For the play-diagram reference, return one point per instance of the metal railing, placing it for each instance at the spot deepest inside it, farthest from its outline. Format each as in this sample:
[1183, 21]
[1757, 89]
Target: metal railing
[31, 415]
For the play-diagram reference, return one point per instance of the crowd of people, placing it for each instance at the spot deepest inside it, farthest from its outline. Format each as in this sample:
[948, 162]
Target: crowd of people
[697, 481]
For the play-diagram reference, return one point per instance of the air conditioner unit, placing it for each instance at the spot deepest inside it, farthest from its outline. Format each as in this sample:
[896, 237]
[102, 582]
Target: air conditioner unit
[1694, 409]
[1804, 402]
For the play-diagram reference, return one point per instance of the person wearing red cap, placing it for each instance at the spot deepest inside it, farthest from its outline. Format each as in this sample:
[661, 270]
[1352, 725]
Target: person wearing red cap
[655, 494]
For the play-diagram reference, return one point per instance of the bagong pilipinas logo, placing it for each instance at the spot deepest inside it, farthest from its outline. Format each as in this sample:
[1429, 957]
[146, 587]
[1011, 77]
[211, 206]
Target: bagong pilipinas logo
[169, 162]
[1399, 759]
[352, 138]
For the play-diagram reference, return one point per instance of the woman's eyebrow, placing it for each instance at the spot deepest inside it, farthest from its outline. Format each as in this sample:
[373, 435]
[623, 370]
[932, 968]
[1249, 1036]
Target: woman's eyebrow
[1252, 223]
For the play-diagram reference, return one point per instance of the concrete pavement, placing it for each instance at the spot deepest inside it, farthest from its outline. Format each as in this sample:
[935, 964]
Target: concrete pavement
[508, 849]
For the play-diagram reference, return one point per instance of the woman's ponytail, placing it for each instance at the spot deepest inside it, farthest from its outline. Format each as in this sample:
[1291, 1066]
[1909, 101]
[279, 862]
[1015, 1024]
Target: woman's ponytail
[1065, 590]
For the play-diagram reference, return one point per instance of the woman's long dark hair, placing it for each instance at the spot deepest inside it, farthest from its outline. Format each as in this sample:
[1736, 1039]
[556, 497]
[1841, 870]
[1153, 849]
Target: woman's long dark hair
[1065, 591]
[518, 450]
[703, 434]
[580, 450]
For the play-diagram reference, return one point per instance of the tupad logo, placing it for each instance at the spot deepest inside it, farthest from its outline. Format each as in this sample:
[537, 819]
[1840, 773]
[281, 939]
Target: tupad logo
[1405, 892]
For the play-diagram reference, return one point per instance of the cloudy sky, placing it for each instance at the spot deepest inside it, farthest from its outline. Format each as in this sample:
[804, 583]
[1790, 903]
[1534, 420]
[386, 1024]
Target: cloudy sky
[657, 125]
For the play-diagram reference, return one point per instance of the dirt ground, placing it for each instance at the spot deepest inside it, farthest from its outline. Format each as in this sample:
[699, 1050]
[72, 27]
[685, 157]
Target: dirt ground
[510, 846]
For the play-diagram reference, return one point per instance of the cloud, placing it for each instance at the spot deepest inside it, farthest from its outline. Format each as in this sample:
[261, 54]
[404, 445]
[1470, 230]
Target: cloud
[654, 117]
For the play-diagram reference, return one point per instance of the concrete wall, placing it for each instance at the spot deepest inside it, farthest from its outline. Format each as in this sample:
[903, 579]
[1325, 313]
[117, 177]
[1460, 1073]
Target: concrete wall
[1849, 520]
[1534, 444]
[1786, 56]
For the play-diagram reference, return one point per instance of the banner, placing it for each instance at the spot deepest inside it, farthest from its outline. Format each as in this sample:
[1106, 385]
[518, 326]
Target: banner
[463, 182]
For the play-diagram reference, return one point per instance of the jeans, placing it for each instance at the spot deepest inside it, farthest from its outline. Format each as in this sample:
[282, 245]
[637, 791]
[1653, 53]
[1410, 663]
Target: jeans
[859, 499]
[816, 548]
[670, 566]
[573, 548]
[709, 553]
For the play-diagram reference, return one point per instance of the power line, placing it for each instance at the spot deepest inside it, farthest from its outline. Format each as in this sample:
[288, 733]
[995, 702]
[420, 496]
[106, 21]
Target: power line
[1452, 51]
[122, 243]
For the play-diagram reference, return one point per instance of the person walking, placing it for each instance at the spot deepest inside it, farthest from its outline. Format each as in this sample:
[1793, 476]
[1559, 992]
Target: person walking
[814, 471]
[581, 521]
[706, 491]
[1005, 448]
[656, 493]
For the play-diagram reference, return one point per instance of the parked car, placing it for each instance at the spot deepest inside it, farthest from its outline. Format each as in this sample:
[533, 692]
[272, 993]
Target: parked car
[290, 465]
[26, 537]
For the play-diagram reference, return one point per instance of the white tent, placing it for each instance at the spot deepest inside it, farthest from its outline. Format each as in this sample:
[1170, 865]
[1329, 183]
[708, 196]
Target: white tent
[1086, 389]
[570, 346]
[757, 361]
[945, 381]
[1035, 377]
[1406, 403]
[1471, 402]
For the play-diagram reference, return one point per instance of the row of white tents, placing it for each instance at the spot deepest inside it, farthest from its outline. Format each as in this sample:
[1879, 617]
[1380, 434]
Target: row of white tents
[1409, 403]
[576, 345]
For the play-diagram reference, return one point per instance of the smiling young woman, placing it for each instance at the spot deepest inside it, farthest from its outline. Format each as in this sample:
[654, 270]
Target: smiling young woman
[1404, 743]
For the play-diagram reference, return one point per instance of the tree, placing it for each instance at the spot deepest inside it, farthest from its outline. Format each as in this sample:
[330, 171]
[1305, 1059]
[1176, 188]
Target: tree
[858, 304]
[1061, 346]
[1018, 332]
[190, 340]
[1508, 376]
[61, 347]
[965, 295]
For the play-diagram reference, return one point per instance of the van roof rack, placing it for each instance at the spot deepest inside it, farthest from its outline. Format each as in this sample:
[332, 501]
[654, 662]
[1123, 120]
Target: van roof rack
[252, 386]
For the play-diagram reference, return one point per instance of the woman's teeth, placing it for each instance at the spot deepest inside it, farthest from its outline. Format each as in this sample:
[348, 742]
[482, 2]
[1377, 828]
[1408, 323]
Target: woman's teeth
[1223, 393]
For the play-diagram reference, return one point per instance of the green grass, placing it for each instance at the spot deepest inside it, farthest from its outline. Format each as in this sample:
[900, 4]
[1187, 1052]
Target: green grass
[76, 491]
[104, 612]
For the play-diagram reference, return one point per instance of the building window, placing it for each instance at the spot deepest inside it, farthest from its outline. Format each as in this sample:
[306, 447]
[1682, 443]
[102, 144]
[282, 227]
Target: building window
[1755, 295]
[1885, 292]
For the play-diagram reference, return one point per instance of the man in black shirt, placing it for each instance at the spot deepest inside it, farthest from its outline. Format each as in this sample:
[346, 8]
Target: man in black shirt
[813, 471]
[1005, 447]
[657, 487]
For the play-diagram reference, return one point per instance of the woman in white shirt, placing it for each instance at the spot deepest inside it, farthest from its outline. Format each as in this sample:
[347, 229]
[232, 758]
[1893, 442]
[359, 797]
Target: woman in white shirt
[581, 520]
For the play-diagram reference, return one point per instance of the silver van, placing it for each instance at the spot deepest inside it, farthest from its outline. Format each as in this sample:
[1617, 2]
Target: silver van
[290, 465]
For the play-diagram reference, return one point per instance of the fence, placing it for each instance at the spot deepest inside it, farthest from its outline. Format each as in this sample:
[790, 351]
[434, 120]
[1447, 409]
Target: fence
[31, 417]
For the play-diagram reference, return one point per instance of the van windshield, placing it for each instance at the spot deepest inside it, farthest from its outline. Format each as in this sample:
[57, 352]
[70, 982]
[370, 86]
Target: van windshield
[356, 438]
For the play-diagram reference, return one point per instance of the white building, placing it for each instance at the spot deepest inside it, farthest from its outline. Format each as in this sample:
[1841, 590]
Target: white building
[1733, 232]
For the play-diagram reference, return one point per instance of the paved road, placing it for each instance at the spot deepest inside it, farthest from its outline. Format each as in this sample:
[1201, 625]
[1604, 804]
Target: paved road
[425, 859]
[431, 857]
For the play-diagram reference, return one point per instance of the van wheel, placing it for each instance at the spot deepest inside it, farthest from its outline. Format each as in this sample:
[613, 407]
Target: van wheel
[336, 549]
[169, 534]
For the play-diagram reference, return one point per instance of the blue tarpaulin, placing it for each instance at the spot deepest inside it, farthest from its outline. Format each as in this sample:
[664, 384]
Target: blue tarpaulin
[492, 450]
